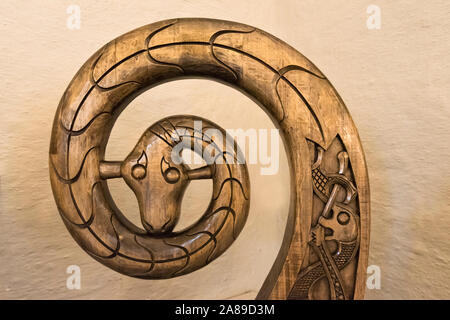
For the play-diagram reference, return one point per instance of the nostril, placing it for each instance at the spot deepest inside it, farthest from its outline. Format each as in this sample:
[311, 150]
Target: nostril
[148, 227]
[166, 227]
[166, 224]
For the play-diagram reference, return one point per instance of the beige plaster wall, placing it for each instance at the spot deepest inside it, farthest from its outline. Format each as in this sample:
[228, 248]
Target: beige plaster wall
[395, 82]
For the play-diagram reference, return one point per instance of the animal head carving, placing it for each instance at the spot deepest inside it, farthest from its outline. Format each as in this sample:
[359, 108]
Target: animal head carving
[157, 182]
[343, 223]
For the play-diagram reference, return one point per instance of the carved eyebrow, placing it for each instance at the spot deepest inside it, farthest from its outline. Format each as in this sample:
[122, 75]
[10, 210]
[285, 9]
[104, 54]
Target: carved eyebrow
[143, 159]
[164, 165]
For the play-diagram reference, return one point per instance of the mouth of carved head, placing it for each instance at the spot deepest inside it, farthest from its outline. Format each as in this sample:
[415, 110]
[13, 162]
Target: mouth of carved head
[167, 227]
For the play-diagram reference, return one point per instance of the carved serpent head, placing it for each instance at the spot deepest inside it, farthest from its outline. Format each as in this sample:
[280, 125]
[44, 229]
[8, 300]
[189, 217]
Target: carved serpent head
[343, 223]
[158, 183]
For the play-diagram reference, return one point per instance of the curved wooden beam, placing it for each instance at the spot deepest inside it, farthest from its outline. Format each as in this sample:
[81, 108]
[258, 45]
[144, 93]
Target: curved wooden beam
[325, 248]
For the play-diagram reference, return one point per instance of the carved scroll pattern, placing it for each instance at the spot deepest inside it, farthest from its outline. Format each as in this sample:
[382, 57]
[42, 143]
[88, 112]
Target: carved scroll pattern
[104, 250]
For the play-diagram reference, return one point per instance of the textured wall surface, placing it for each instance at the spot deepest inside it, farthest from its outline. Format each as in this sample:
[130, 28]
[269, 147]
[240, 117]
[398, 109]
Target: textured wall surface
[395, 82]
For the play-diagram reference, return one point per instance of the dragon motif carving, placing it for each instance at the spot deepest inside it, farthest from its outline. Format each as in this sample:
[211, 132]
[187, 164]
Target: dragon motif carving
[327, 233]
[338, 222]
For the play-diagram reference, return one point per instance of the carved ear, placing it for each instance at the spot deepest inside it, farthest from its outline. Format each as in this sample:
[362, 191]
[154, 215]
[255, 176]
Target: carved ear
[143, 159]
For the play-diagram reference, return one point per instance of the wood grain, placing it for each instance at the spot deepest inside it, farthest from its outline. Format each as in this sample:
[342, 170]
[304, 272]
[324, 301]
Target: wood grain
[325, 247]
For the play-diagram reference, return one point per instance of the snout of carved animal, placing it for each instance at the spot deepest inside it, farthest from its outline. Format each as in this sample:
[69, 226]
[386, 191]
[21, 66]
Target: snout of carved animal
[158, 183]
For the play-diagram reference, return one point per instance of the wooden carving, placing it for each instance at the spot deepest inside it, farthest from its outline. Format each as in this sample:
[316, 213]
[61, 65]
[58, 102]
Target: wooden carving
[325, 248]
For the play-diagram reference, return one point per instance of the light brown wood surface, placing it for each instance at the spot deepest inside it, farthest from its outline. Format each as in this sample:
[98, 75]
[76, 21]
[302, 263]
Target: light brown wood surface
[325, 248]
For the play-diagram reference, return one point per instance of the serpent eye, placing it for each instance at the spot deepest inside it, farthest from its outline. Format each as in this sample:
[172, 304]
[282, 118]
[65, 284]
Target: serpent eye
[343, 218]
[138, 171]
[171, 175]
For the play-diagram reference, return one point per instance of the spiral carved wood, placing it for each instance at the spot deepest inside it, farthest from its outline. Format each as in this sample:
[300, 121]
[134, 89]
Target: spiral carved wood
[325, 247]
